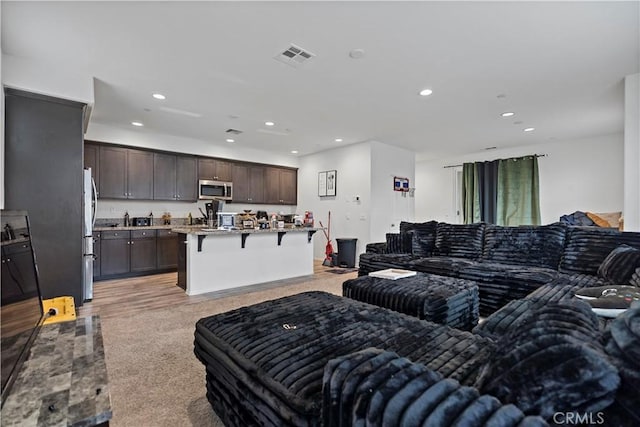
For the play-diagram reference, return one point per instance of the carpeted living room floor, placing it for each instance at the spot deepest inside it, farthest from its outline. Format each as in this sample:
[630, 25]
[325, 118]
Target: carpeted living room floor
[154, 377]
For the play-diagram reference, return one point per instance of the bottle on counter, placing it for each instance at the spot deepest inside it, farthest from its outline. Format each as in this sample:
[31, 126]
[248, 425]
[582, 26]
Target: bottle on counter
[274, 221]
[189, 219]
[150, 218]
[126, 219]
[8, 231]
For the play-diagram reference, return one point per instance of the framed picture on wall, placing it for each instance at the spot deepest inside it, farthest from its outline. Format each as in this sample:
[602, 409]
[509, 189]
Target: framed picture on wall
[322, 184]
[331, 182]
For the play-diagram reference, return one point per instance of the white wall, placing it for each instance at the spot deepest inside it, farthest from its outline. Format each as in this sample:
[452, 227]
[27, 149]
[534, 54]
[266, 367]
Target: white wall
[65, 83]
[365, 207]
[349, 218]
[389, 207]
[632, 153]
[583, 174]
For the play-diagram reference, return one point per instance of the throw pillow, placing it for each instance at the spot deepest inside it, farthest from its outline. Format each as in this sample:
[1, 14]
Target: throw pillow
[618, 267]
[600, 222]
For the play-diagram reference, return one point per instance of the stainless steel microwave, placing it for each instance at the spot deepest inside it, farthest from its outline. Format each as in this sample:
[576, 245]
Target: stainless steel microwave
[210, 190]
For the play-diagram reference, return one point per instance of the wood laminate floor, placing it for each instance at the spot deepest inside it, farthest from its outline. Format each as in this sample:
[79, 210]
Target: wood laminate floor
[122, 297]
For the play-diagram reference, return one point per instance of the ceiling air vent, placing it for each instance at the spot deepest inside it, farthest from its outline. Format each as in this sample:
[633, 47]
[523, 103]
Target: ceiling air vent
[294, 56]
[233, 131]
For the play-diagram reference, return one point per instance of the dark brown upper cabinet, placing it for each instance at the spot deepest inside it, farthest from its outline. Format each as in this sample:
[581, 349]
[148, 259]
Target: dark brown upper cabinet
[281, 186]
[125, 173]
[215, 169]
[174, 177]
[248, 183]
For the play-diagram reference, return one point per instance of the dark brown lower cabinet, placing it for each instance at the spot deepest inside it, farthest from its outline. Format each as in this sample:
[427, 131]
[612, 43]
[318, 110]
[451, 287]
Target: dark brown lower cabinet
[167, 250]
[143, 250]
[134, 253]
[115, 252]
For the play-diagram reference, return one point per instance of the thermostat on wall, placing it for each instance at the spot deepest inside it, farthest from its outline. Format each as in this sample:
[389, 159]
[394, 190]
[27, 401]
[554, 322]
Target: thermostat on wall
[400, 184]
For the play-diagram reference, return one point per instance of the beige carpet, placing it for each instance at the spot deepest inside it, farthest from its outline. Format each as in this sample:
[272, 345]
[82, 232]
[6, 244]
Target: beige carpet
[154, 377]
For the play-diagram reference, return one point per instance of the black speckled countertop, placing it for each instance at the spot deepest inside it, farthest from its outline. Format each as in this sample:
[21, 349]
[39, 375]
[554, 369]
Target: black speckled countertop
[64, 380]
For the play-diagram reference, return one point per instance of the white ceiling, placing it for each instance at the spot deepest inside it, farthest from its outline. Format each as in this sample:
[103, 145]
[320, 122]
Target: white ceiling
[559, 65]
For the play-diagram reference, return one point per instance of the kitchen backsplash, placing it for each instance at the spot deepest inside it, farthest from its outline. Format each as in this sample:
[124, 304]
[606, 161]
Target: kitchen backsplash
[111, 209]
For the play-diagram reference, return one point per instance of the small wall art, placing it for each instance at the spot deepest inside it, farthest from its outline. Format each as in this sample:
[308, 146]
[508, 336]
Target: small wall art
[327, 183]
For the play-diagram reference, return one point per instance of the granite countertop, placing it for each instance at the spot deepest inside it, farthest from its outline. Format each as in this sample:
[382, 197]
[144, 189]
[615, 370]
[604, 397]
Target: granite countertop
[210, 231]
[151, 227]
[64, 380]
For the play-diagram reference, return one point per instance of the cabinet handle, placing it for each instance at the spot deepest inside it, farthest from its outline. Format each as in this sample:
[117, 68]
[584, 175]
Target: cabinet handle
[115, 234]
[132, 242]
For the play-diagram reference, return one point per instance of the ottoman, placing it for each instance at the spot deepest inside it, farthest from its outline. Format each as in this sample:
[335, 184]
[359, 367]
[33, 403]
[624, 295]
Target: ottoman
[265, 362]
[440, 299]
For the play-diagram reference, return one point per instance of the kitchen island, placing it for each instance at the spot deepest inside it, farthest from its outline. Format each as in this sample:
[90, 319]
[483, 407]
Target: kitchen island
[214, 260]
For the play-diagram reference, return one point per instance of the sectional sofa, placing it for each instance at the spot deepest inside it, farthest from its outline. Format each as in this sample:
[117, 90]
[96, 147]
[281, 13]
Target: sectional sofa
[508, 263]
[541, 356]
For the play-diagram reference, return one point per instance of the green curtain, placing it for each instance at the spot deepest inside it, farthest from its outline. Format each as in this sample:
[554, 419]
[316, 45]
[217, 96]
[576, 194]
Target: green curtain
[470, 193]
[518, 192]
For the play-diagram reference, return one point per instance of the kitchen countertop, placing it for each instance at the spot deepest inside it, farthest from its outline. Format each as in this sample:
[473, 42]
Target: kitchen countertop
[200, 231]
[151, 227]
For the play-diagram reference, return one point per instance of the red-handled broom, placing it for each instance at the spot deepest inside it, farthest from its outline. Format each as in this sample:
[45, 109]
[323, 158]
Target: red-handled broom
[328, 251]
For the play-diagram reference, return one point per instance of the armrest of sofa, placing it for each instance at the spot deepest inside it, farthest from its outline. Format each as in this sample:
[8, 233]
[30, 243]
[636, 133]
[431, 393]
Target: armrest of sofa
[380, 388]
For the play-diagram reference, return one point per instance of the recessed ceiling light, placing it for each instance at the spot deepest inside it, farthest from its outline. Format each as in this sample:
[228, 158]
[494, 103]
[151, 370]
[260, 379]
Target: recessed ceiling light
[529, 129]
[230, 140]
[294, 151]
[269, 123]
[508, 114]
[426, 92]
[159, 96]
[338, 139]
[137, 124]
[356, 53]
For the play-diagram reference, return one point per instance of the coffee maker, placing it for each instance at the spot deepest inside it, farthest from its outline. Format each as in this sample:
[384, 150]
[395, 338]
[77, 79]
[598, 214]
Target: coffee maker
[212, 208]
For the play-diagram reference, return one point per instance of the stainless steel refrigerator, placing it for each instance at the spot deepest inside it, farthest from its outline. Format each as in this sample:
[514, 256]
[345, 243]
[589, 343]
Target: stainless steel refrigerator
[90, 202]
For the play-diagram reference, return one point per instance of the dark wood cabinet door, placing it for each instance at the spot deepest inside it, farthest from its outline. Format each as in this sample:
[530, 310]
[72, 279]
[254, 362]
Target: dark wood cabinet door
[186, 178]
[91, 161]
[206, 169]
[143, 254]
[223, 170]
[96, 252]
[113, 173]
[240, 178]
[288, 186]
[140, 174]
[215, 169]
[164, 177]
[272, 186]
[256, 184]
[167, 249]
[114, 255]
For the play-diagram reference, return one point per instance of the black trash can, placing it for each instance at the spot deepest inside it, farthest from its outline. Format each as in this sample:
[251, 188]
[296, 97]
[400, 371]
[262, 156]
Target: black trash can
[347, 252]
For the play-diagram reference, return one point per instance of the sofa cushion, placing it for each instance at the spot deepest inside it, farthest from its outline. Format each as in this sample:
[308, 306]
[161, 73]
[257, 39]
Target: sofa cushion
[379, 388]
[620, 265]
[551, 363]
[539, 246]
[587, 247]
[460, 240]
[418, 237]
[442, 265]
[394, 243]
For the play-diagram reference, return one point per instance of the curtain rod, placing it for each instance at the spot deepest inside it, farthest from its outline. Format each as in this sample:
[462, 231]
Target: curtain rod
[456, 166]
